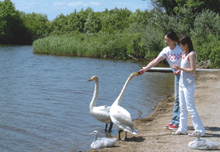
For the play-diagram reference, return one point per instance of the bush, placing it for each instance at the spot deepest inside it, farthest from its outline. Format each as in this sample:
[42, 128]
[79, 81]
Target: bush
[206, 23]
[209, 50]
[152, 42]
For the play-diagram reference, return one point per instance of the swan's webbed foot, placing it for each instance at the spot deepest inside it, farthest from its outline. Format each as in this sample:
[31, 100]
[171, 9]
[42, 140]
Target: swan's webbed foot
[125, 138]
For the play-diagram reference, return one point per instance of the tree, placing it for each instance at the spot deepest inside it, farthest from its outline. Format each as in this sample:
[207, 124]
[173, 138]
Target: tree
[76, 20]
[115, 20]
[59, 24]
[140, 17]
[36, 24]
[93, 23]
[195, 6]
[12, 30]
[167, 5]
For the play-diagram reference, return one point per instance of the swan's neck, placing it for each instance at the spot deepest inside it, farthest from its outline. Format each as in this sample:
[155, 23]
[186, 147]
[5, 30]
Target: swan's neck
[95, 94]
[119, 98]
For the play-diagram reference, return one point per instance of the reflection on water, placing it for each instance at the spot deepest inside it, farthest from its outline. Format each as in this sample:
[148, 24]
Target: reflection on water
[44, 100]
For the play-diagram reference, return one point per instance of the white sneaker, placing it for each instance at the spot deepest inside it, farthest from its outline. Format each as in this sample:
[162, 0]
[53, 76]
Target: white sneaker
[179, 133]
[196, 134]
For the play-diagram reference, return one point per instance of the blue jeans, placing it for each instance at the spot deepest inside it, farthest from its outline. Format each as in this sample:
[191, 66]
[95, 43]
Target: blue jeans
[176, 108]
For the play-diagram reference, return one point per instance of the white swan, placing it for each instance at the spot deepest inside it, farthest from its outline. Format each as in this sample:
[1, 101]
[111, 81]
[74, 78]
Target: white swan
[121, 117]
[103, 142]
[203, 144]
[101, 113]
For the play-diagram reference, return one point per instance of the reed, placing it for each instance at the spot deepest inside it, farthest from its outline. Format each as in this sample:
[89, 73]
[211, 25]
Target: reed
[99, 45]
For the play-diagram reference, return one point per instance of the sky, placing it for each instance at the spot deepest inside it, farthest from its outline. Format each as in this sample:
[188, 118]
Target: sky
[53, 8]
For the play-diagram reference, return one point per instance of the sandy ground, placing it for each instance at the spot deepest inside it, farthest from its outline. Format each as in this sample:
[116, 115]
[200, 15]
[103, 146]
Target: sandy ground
[154, 136]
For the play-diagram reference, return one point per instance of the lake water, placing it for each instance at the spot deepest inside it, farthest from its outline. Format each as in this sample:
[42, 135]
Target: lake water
[44, 100]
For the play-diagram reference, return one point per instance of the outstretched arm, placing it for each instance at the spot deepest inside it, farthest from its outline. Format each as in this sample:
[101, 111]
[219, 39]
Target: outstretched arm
[151, 64]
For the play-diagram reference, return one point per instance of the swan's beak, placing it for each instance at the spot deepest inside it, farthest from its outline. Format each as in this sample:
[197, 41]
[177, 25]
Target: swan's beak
[91, 79]
[137, 73]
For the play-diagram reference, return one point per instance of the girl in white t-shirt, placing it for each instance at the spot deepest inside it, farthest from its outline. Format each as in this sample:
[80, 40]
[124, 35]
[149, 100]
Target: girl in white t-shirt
[173, 54]
[187, 89]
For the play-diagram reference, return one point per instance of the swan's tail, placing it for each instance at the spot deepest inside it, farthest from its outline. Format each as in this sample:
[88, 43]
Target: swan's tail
[132, 131]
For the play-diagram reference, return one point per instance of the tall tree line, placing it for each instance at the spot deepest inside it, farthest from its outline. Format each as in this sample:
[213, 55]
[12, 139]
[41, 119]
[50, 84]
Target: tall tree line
[17, 27]
[197, 18]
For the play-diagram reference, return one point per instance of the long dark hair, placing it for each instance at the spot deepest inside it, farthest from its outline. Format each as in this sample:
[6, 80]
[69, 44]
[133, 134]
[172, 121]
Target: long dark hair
[172, 35]
[186, 40]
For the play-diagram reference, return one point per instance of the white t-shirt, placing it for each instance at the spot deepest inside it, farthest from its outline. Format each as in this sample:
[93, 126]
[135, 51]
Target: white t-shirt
[173, 56]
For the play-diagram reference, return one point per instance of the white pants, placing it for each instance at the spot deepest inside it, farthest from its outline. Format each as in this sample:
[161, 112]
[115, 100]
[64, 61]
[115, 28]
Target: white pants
[187, 103]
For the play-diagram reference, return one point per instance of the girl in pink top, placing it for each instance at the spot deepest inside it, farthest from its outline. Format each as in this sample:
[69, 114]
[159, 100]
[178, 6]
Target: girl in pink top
[187, 89]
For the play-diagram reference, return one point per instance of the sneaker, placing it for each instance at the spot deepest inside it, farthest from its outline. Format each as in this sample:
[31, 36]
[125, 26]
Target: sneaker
[173, 127]
[196, 134]
[168, 125]
[179, 133]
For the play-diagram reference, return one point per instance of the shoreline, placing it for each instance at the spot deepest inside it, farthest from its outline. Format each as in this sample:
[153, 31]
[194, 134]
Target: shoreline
[154, 136]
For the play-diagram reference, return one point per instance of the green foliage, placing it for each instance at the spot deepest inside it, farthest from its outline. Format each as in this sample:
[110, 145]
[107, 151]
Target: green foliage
[152, 42]
[209, 49]
[37, 25]
[215, 55]
[168, 5]
[139, 17]
[164, 22]
[115, 20]
[102, 45]
[205, 35]
[60, 25]
[176, 7]
[143, 38]
[194, 6]
[11, 26]
[205, 23]
[93, 23]
[116, 33]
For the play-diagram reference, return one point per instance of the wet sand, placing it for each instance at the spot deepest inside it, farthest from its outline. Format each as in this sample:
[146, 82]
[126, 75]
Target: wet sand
[154, 136]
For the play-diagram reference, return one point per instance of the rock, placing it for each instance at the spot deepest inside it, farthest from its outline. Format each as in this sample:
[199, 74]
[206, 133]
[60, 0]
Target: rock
[204, 64]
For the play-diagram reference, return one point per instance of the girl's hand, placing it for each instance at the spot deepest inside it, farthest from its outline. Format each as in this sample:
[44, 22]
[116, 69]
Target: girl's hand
[176, 67]
[141, 71]
[177, 72]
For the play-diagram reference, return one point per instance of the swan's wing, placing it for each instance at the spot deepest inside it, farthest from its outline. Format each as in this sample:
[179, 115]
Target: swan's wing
[207, 144]
[203, 144]
[97, 144]
[121, 116]
[102, 113]
[193, 144]
[103, 108]
[109, 142]
[103, 142]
